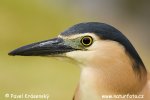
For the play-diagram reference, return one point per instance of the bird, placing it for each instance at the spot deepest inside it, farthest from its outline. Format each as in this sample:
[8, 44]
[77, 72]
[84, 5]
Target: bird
[110, 65]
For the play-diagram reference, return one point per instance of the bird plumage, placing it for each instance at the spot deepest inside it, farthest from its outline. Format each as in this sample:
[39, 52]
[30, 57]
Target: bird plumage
[109, 63]
[106, 32]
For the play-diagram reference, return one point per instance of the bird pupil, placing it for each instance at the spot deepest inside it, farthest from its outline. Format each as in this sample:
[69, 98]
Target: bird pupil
[86, 40]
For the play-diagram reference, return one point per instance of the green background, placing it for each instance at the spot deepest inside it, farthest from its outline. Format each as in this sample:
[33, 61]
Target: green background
[26, 21]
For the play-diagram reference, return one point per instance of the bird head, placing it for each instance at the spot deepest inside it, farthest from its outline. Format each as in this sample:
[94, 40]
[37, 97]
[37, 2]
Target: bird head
[90, 42]
[101, 49]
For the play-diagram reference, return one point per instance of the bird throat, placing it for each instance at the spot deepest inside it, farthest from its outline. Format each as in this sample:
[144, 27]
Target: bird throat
[95, 82]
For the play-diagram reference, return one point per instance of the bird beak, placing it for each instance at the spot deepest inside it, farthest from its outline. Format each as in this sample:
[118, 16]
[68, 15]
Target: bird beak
[52, 47]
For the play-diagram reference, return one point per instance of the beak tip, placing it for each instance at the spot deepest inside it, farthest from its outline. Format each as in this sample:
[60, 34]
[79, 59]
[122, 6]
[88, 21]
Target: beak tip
[22, 51]
[12, 53]
[16, 52]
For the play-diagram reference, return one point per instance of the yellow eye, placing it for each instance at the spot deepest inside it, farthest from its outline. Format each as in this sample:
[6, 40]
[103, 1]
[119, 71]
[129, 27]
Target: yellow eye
[87, 41]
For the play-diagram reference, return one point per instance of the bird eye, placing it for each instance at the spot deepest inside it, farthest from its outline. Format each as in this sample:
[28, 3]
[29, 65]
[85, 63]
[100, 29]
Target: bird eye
[87, 41]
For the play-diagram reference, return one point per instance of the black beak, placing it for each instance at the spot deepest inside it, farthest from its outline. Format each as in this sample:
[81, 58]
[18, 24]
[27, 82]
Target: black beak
[52, 47]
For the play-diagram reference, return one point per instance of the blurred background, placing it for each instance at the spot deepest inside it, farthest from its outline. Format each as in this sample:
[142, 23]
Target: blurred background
[26, 21]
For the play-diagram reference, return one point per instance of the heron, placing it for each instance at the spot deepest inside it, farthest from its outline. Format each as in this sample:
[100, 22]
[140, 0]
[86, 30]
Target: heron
[109, 63]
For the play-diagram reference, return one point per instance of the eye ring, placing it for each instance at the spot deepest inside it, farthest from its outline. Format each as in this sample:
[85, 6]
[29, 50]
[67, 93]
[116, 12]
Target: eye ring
[87, 41]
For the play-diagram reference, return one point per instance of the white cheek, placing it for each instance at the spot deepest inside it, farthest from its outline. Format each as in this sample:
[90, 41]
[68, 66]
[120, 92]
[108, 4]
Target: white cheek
[80, 56]
[77, 55]
[83, 56]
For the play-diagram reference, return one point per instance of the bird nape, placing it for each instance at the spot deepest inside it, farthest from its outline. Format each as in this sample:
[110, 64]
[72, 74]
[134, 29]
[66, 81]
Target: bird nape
[110, 65]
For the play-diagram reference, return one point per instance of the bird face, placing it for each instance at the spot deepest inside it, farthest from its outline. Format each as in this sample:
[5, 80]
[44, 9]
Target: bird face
[91, 49]
[82, 47]
[73, 46]
[84, 42]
